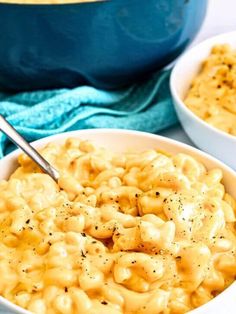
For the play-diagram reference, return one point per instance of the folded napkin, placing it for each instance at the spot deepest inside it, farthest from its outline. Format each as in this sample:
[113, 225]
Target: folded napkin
[146, 106]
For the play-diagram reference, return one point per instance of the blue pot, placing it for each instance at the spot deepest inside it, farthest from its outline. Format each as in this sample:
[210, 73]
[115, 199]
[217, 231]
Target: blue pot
[107, 43]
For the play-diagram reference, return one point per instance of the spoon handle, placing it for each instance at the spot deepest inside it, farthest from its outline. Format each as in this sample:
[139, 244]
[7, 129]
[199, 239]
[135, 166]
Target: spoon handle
[16, 138]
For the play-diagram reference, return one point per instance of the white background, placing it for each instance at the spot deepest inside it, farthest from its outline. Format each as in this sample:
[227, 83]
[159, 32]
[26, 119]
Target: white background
[220, 18]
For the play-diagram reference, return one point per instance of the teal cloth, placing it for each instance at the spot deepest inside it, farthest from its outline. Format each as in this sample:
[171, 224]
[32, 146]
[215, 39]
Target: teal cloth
[146, 106]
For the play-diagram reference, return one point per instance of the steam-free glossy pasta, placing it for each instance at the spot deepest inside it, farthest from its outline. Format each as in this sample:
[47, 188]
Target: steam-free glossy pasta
[212, 95]
[143, 233]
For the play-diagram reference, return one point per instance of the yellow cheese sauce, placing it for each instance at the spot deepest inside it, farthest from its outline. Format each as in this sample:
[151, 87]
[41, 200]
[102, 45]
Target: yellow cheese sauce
[142, 233]
[47, 1]
[212, 95]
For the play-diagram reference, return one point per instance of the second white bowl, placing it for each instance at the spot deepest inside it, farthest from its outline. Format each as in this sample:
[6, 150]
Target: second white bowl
[206, 137]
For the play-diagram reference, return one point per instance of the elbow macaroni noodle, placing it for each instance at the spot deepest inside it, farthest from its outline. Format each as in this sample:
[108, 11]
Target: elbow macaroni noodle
[143, 233]
[212, 95]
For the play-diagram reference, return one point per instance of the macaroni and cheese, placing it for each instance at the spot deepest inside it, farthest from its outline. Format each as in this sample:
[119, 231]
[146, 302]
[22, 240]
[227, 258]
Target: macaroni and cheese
[47, 1]
[212, 95]
[142, 233]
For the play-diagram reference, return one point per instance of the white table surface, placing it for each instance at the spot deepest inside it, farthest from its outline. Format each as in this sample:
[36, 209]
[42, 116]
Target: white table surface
[220, 18]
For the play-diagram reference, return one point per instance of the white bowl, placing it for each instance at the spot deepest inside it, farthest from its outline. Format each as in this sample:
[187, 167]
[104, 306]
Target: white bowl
[205, 136]
[122, 140]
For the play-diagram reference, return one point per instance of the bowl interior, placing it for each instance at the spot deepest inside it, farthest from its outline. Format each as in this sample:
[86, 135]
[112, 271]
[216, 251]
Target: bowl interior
[190, 63]
[122, 140]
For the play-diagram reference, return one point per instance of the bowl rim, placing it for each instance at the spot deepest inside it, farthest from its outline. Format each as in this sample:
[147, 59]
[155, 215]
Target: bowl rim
[209, 42]
[61, 137]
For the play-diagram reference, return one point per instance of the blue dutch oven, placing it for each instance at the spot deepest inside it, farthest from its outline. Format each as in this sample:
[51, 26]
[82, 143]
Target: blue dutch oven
[107, 44]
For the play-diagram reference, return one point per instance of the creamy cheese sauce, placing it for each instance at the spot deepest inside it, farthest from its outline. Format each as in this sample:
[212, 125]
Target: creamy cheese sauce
[212, 95]
[48, 1]
[128, 233]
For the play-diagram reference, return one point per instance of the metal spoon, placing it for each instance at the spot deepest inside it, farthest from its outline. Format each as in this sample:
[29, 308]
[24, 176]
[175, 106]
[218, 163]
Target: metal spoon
[16, 138]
